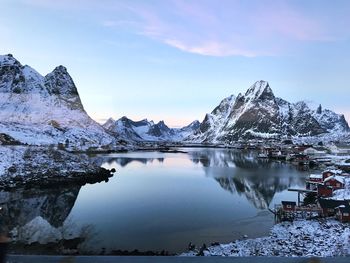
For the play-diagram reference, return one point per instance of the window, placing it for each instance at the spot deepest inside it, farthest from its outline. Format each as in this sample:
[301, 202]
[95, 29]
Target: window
[338, 184]
[346, 214]
[289, 206]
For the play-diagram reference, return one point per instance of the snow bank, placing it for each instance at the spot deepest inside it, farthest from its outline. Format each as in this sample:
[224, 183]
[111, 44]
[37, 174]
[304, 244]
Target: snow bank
[300, 238]
[21, 165]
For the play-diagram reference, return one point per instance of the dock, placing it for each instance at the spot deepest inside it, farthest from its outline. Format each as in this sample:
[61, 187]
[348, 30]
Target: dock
[301, 192]
[298, 212]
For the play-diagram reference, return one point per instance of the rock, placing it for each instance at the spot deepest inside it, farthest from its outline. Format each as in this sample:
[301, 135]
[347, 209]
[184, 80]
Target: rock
[12, 169]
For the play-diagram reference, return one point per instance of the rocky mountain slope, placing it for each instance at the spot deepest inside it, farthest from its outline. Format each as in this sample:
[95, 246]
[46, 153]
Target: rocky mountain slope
[43, 110]
[145, 130]
[260, 114]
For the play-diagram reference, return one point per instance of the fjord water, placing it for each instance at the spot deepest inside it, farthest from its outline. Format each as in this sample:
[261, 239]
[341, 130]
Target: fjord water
[160, 201]
[157, 201]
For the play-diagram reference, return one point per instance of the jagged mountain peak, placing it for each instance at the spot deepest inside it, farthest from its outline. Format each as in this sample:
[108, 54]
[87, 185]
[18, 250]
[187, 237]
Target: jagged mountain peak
[110, 120]
[194, 125]
[44, 110]
[162, 124]
[8, 60]
[61, 69]
[123, 118]
[259, 114]
[109, 123]
[60, 83]
[260, 89]
[145, 130]
[225, 105]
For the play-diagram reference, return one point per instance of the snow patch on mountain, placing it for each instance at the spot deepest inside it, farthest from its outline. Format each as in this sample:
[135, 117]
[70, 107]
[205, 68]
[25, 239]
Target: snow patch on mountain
[145, 130]
[209, 129]
[40, 110]
[259, 114]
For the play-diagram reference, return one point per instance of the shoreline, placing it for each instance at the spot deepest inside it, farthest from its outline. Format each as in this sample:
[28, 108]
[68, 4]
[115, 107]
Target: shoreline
[301, 238]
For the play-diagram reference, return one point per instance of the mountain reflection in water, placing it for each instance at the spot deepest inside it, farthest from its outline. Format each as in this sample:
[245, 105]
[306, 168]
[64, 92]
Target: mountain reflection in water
[242, 172]
[53, 205]
[38, 217]
[236, 171]
[156, 201]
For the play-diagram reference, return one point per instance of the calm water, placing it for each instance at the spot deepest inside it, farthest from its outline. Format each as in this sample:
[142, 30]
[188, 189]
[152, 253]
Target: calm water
[160, 201]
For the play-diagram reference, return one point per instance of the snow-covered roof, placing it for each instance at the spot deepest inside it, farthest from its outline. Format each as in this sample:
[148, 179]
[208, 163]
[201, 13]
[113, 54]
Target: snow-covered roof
[316, 176]
[334, 171]
[335, 177]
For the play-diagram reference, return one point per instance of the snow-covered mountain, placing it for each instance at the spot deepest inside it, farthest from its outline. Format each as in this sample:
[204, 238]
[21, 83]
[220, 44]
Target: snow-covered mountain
[42, 110]
[145, 130]
[259, 114]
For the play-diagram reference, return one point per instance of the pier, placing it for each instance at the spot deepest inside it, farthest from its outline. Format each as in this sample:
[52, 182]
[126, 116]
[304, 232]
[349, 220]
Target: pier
[296, 212]
[301, 192]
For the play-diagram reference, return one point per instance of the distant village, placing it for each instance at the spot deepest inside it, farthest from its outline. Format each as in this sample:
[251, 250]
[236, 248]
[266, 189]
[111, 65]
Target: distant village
[327, 191]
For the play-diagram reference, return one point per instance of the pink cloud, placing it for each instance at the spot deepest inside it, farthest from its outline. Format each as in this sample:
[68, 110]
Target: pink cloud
[210, 48]
[223, 28]
[229, 28]
[289, 22]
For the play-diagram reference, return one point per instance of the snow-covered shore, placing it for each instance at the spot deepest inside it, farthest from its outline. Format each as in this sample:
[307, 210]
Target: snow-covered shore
[38, 166]
[304, 238]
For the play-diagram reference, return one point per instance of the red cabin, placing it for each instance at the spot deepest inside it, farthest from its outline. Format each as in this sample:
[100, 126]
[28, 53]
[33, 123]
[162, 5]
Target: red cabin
[329, 173]
[335, 181]
[318, 178]
[329, 206]
[313, 181]
[288, 205]
[324, 191]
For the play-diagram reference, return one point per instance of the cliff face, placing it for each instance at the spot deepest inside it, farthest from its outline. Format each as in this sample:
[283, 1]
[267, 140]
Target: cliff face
[42, 110]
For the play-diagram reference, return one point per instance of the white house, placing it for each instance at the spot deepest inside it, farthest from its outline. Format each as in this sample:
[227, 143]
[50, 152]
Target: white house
[314, 152]
[337, 150]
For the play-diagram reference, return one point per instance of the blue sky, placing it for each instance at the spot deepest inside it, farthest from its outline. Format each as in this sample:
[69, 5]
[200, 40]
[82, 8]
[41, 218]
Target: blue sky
[175, 59]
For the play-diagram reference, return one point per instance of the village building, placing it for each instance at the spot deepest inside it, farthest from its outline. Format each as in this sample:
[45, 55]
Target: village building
[316, 178]
[339, 150]
[288, 205]
[315, 151]
[328, 173]
[335, 181]
[332, 190]
[313, 181]
[343, 213]
[345, 165]
[324, 191]
[329, 206]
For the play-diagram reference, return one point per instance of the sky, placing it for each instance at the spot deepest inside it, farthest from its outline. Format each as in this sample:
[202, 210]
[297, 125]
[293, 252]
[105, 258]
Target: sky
[175, 60]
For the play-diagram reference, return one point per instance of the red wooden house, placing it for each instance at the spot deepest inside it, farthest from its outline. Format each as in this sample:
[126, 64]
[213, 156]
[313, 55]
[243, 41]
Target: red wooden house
[288, 206]
[329, 206]
[324, 191]
[329, 173]
[335, 181]
[313, 181]
[317, 178]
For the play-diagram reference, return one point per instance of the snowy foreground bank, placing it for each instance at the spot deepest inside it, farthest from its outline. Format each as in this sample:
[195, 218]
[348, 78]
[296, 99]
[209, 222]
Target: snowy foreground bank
[38, 166]
[325, 238]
